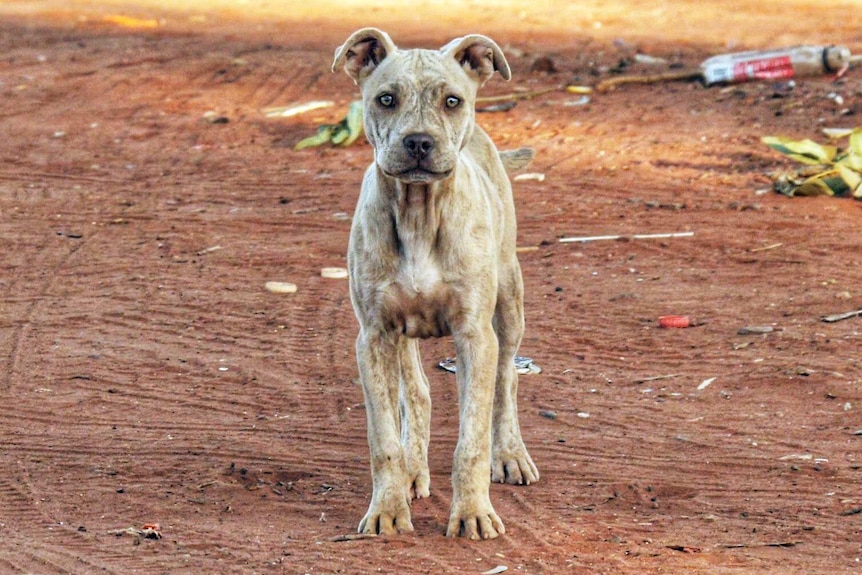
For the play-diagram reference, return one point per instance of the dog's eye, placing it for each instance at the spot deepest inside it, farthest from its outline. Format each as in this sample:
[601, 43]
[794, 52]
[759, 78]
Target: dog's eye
[453, 102]
[386, 100]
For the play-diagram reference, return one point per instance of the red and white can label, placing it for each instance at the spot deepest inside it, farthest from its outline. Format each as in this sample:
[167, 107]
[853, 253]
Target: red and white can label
[765, 69]
[744, 67]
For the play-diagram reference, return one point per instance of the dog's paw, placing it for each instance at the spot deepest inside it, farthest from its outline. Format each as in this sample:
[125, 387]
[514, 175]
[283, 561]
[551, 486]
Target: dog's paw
[514, 466]
[474, 521]
[421, 485]
[388, 516]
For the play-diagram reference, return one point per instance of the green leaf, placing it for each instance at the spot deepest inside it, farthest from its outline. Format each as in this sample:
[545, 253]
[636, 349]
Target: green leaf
[814, 187]
[340, 133]
[852, 161]
[323, 135]
[811, 149]
[804, 151]
[851, 177]
[837, 184]
[353, 122]
[856, 143]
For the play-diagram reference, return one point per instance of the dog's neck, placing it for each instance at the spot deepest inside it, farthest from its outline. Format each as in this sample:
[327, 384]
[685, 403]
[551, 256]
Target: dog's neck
[417, 208]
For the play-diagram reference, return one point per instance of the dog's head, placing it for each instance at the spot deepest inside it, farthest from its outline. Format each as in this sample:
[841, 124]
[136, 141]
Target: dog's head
[419, 104]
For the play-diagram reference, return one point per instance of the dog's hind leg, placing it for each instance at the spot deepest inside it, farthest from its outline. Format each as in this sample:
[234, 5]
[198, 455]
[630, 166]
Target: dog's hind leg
[415, 417]
[510, 461]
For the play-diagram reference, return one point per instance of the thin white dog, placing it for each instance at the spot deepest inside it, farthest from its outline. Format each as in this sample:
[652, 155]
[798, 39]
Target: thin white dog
[432, 253]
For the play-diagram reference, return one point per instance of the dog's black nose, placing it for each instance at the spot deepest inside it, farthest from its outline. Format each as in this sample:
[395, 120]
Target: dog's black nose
[418, 145]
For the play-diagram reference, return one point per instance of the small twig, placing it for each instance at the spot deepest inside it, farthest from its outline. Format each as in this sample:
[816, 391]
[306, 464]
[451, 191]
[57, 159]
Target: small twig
[623, 237]
[764, 248]
[655, 378]
[208, 250]
[840, 316]
[517, 95]
[612, 83]
[352, 537]
[750, 545]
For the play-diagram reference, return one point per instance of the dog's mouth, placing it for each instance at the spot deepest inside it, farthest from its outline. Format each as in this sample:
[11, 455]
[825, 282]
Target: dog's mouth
[420, 175]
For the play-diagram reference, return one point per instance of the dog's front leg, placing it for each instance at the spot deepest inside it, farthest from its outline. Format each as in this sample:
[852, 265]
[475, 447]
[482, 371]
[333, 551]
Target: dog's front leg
[379, 371]
[472, 514]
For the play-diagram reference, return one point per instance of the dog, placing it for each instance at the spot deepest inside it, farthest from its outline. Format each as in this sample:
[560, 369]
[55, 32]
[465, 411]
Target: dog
[432, 254]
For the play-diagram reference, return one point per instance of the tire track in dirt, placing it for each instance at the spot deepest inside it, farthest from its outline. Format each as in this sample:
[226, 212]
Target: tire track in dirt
[48, 272]
[34, 541]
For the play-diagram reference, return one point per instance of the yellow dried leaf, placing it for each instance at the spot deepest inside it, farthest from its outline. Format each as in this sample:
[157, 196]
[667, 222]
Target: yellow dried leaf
[850, 177]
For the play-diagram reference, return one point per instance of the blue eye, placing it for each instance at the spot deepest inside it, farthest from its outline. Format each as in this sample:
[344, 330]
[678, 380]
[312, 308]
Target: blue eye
[453, 102]
[386, 100]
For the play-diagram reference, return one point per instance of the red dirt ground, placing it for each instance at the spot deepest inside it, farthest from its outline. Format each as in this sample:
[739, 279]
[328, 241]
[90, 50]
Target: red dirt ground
[146, 375]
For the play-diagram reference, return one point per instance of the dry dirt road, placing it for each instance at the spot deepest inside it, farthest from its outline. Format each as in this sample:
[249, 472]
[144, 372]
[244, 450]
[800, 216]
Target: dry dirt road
[146, 375]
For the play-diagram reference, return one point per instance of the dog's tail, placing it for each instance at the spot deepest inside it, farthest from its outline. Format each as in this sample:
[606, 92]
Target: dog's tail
[514, 160]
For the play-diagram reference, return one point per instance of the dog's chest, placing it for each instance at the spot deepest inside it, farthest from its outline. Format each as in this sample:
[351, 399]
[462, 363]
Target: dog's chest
[419, 302]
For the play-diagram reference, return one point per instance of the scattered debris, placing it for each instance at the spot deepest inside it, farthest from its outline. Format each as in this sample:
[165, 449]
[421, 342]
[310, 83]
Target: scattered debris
[535, 176]
[849, 512]
[523, 365]
[501, 107]
[625, 237]
[579, 90]
[208, 250]
[755, 330]
[147, 531]
[842, 316]
[212, 117]
[548, 414]
[582, 101]
[750, 545]
[754, 65]
[797, 457]
[684, 548]
[655, 378]
[776, 64]
[765, 248]
[829, 170]
[496, 570]
[649, 60]
[333, 273]
[543, 65]
[296, 109]
[352, 537]
[280, 287]
[612, 83]
[130, 22]
[343, 133]
[706, 383]
[674, 321]
[516, 96]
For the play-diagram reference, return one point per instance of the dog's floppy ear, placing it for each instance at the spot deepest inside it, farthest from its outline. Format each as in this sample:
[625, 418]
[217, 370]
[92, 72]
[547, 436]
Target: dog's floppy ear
[363, 52]
[479, 55]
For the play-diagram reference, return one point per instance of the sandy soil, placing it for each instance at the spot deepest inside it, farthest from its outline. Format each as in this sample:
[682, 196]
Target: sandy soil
[146, 375]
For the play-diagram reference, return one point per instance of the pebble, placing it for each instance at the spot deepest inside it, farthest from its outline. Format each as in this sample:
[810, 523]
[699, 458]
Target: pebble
[280, 287]
[755, 330]
[333, 273]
